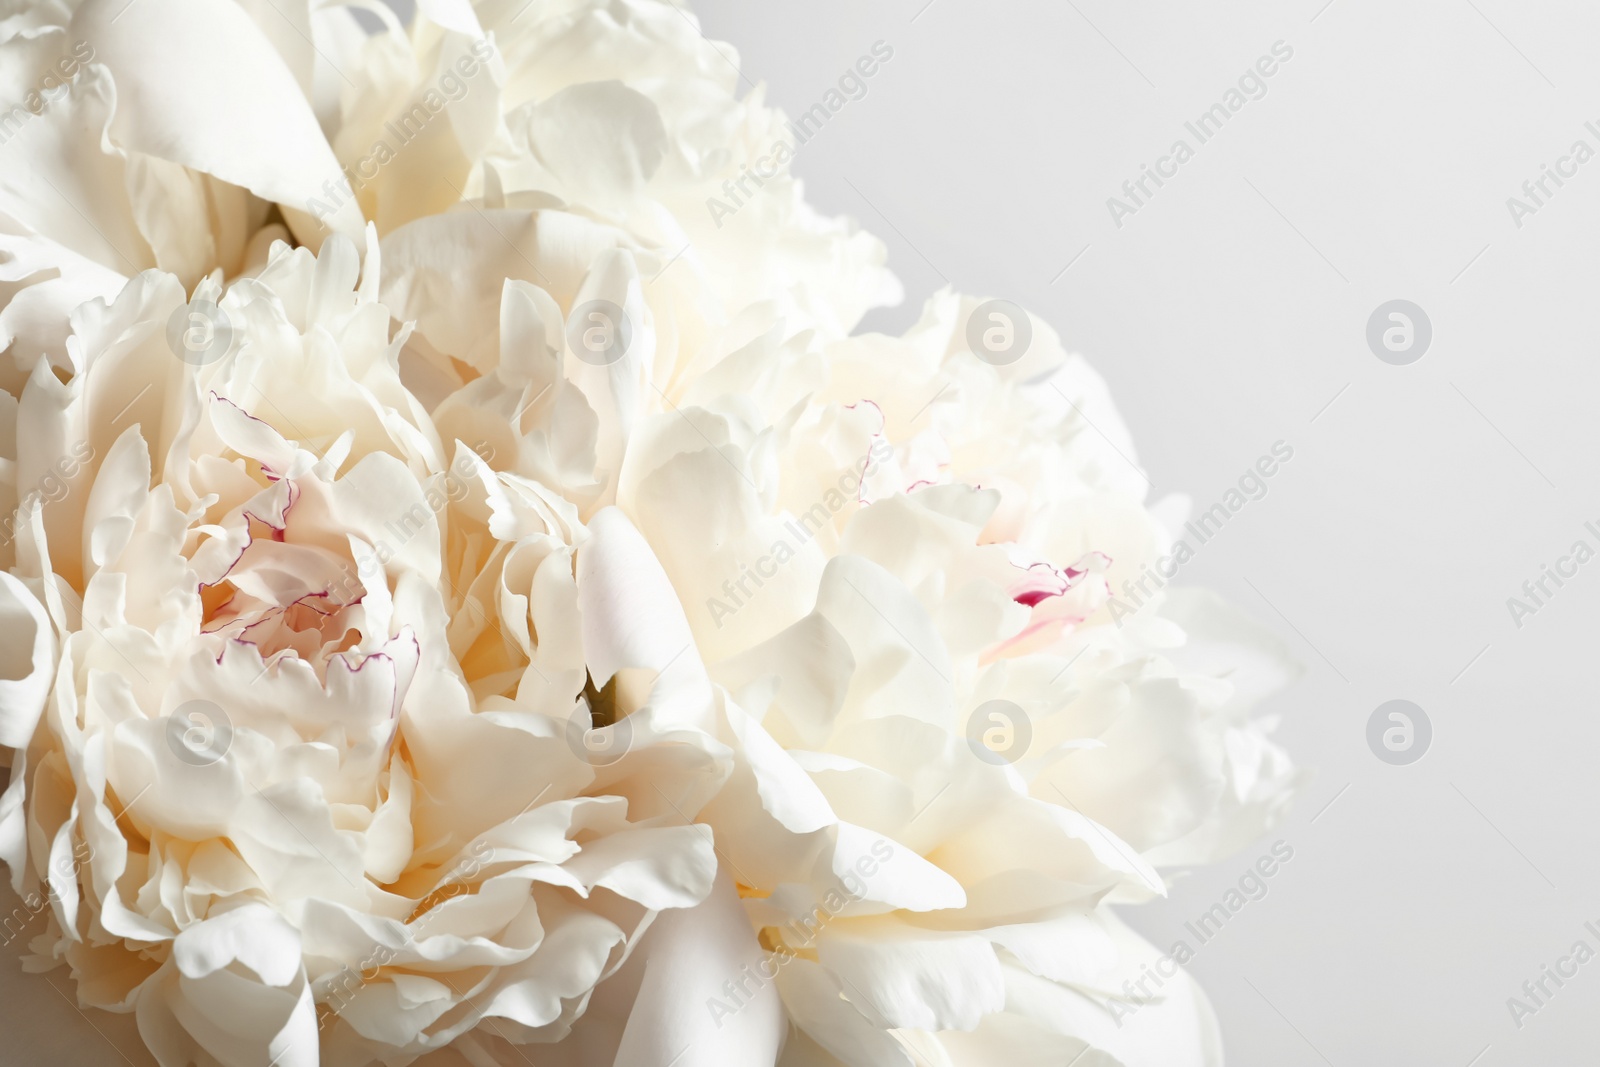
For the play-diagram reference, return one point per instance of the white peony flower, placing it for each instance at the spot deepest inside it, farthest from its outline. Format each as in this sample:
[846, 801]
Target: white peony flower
[525, 613]
[313, 690]
[976, 759]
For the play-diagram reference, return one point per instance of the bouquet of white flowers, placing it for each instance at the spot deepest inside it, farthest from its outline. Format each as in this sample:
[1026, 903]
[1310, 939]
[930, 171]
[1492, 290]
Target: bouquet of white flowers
[468, 596]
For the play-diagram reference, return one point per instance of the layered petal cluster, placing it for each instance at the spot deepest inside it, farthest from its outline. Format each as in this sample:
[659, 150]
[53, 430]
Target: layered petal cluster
[459, 590]
[310, 756]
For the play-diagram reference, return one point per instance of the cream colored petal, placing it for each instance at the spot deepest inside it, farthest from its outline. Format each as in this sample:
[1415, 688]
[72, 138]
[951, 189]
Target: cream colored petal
[203, 87]
[27, 663]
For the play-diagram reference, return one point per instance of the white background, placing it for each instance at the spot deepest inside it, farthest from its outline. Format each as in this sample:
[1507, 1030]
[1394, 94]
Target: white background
[1226, 314]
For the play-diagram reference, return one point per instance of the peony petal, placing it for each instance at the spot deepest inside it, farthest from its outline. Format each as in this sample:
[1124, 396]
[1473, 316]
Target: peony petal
[253, 935]
[203, 87]
[905, 978]
[684, 1008]
[816, 1001]
[602, 140]
[632, 618]
[27, 661]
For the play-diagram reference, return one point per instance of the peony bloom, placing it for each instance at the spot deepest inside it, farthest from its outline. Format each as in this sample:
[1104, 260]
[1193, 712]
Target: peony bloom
[961, 759]
[314, 695]
[460, 592]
